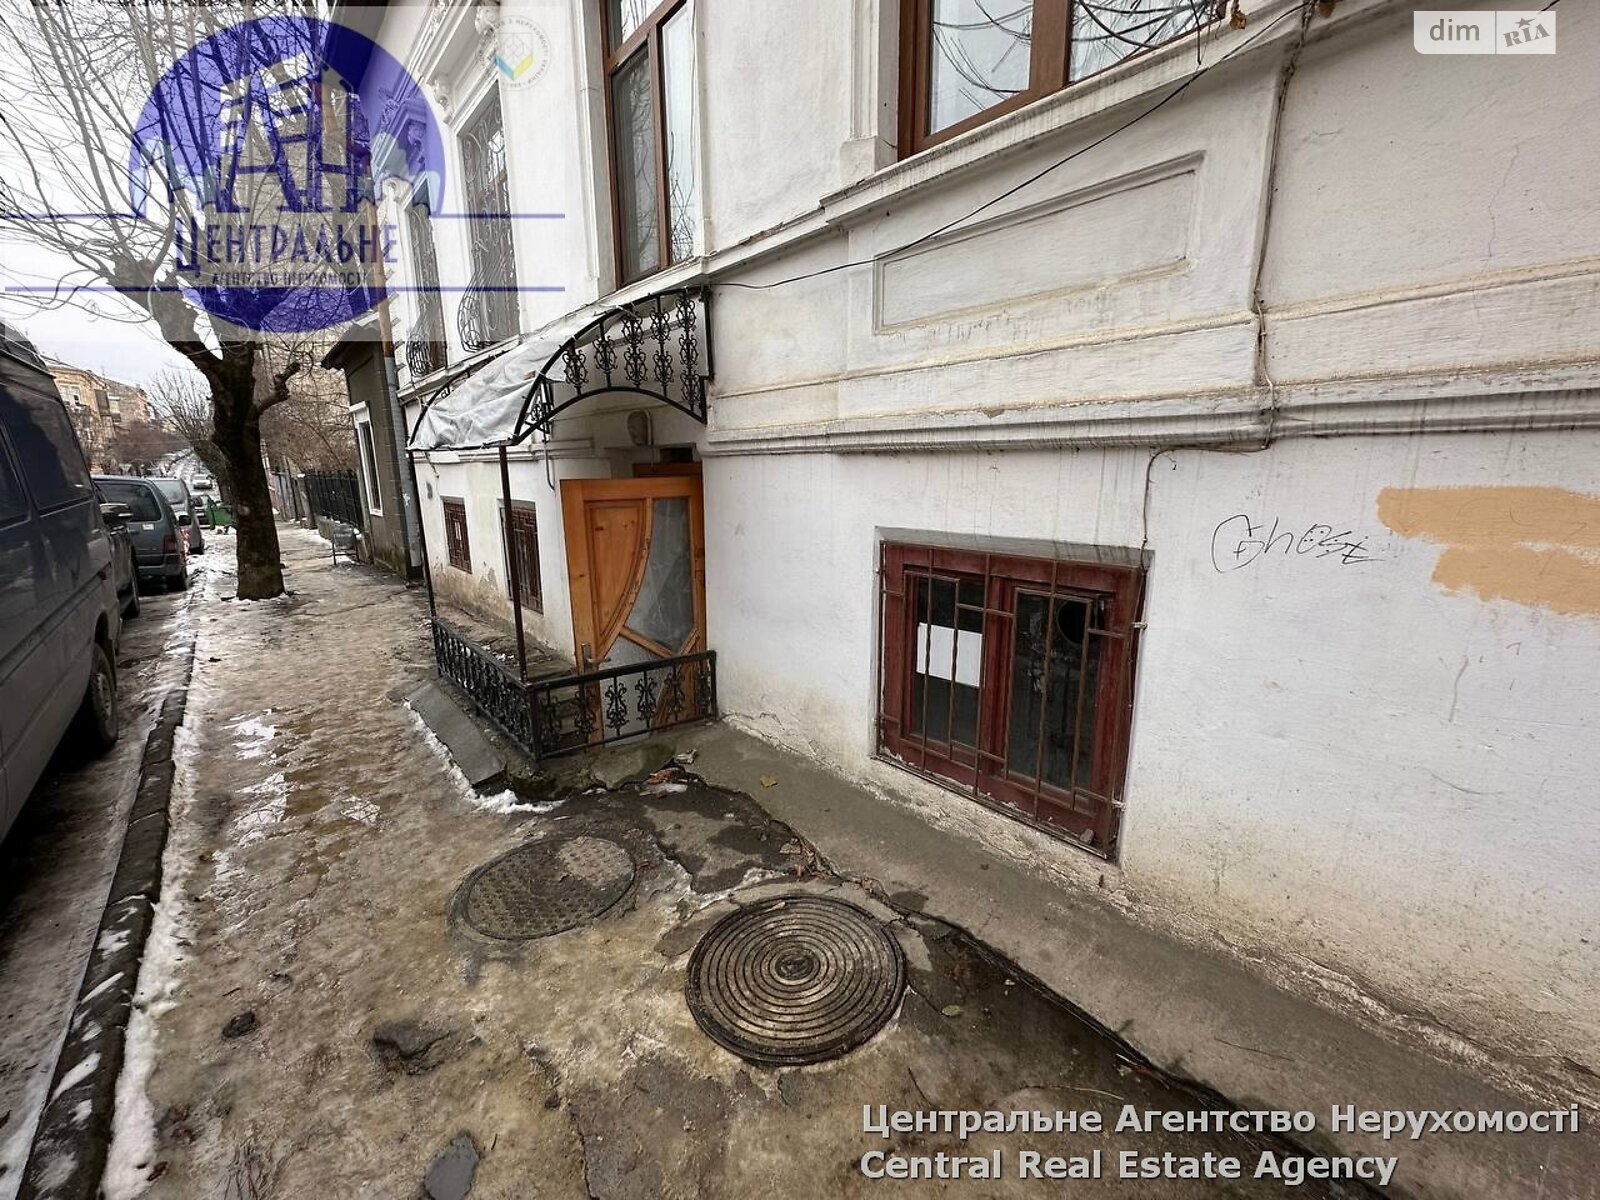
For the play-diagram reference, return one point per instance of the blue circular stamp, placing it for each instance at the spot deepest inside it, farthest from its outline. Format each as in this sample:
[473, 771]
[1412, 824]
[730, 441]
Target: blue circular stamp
[266, 145]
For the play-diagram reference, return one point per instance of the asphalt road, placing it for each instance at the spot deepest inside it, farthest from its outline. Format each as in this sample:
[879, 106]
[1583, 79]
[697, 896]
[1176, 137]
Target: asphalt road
[56, 866]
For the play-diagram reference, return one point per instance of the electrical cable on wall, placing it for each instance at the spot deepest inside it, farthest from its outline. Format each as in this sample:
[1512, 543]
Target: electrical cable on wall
[1302, 10]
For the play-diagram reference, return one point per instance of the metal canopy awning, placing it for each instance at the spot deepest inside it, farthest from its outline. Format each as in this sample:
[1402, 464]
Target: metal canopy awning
[658, 346]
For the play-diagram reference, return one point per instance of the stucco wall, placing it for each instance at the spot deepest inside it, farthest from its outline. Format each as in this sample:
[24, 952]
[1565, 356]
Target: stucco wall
[1348, 762]
[1369, 772]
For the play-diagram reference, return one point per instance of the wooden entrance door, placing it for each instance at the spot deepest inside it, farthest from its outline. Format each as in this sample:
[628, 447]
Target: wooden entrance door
[635, 568]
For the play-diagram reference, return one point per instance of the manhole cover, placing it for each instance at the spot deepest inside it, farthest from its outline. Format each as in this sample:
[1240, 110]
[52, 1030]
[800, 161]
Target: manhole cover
[795, 981]
[544, 887]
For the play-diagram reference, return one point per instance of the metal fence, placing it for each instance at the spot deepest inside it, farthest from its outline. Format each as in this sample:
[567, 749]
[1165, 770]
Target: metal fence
[336, 495]
[571, 712]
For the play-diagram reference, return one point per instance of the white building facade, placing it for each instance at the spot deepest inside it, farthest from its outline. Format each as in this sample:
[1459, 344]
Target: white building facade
[1174, 469]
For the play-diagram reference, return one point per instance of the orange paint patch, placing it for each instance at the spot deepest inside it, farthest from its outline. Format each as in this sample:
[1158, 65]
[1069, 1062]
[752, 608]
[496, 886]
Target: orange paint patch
[1538, 546]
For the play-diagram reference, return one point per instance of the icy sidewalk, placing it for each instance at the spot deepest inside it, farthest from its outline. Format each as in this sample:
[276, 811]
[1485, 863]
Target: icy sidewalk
[321, 1020]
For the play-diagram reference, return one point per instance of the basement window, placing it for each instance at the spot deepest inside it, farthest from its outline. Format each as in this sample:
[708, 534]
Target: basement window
[455, 534]
[1011, 678]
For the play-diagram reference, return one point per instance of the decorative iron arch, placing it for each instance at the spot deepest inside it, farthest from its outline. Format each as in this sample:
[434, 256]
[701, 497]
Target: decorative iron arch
[658, 347]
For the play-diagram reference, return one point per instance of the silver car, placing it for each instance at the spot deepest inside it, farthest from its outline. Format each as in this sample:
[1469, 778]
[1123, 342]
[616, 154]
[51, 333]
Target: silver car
[159, 536]
[59, 613]
[186, 504]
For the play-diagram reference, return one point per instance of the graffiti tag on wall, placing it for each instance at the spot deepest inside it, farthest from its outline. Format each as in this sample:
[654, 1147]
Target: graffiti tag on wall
[1238, 541]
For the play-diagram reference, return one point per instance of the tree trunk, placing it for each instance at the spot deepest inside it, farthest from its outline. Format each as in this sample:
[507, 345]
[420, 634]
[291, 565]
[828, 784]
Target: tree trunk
[238, 438]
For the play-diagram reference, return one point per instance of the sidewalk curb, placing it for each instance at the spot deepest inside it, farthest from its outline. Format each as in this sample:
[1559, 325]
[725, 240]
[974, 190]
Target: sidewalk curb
[68, 1155]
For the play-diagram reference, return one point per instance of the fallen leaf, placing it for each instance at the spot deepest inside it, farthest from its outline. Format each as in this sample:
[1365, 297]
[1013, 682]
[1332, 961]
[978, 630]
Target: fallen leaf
[769, 781]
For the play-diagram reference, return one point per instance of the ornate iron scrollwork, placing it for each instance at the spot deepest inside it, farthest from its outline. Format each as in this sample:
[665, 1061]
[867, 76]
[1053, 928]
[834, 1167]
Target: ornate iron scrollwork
[488, 310]
[633, 365]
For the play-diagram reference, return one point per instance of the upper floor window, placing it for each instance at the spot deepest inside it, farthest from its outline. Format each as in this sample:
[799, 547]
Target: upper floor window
[650, 102]
[488, 312]
[964, 62]
[425, 344]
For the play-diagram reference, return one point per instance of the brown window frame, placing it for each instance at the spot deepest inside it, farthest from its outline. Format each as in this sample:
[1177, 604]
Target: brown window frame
[1049, 68]
[522, 522]
[457, 540]
[1086, 814]
[648, 36]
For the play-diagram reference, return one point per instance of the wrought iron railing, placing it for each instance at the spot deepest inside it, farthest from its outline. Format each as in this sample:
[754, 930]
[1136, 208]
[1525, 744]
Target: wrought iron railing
[571, 712]
[489, 683]
[336, 495]
[597, 707]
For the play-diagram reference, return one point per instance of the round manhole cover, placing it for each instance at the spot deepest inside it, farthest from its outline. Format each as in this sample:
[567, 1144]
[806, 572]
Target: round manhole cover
[795, 981]
[544, 887]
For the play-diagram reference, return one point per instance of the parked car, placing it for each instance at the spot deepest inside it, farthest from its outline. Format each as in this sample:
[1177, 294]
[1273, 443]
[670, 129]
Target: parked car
[124, 567]
[186, 504]
[160, 535]
[59, 613]
[202, 487]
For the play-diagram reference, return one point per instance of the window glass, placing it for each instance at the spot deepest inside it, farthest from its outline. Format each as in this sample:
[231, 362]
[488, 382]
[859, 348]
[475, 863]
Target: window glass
[1104, 32]
[174, 491]
[425, 344]
[369, 465]
[137, 496]
[522, 545]
[634, 134]
[488, 312]
[683, 133]
[979, 57]
[457, 546]
[944, 680]
[625, 17]
[13, 503]
[1054, 668]
[664, 608]
[46, 449]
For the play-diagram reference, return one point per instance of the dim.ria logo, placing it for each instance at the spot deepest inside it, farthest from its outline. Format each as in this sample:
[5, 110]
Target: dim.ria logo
[264, 145]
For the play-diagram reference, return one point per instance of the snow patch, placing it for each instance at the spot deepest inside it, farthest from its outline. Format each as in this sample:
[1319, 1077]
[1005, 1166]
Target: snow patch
[133, 1121]
[505, 802]
[111, 941]
[254, 734]
[270, 801]
[100, 987]
[77, 1075]
[354, 808]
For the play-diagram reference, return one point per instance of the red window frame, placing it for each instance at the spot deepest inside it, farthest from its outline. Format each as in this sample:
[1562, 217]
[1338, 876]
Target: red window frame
[1088, 811]
[520, 531]
[458, 545]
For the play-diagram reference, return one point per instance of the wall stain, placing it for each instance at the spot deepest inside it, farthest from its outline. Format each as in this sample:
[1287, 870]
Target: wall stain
[1538, 546]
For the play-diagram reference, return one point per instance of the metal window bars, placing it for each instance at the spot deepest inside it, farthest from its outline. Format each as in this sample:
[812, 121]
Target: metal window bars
[488, 310]
[1010, 678]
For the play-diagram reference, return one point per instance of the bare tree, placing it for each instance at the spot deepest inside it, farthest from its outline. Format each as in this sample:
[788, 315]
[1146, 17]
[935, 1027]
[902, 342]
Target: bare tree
[84, 90]
[183, 401]
[312, 429]
[138, 445]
